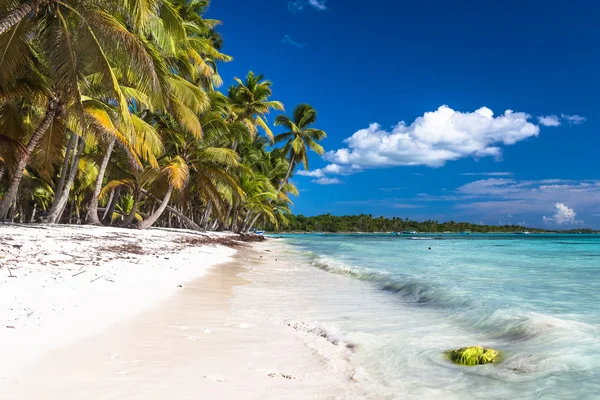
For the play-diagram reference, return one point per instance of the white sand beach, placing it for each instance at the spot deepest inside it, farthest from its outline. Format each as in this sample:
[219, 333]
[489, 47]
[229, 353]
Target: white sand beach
[101, 313]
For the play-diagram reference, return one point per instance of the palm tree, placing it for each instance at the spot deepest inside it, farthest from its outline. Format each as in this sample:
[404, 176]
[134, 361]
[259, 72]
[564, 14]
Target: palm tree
[299, 137]
[250, 102]
[60, 41]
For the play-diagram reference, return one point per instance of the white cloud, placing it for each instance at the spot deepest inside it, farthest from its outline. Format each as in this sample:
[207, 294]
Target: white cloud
[549, 120]
[287, 39]
[562, 215]
[487, 173]
[299, 5]
[327, 181]
[318, 4]
[407, 205]
[434, 139]
[574, 119]
[320, 172]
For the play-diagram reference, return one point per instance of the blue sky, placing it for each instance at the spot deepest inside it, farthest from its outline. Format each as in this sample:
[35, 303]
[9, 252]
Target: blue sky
[414, 99]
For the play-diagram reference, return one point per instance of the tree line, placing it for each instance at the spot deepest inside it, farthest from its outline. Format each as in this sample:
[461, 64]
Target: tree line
[368, 223]
[111, 113]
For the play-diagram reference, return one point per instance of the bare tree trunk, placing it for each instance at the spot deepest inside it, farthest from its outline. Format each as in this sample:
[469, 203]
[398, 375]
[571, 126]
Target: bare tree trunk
[2, 171]
[64, 171]
[92, 213]
[59, 205]
[206, 215]
[113, 204]
[188, 222]
[32, 220]
[234, 220]
[11, 213]
[16, 15]
[21, 214]
[148, 222]
[110, 199]
[17, 175]
[77, 214]
[253, 222]
[287, 176]
[246, 221]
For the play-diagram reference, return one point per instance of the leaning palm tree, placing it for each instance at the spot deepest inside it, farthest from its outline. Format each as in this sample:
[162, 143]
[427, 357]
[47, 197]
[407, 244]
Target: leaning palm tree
[177, 174]
[63, 41]
[299, 137]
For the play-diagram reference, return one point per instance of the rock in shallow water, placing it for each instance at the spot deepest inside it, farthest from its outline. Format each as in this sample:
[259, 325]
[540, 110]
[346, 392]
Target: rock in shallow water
[474, 355]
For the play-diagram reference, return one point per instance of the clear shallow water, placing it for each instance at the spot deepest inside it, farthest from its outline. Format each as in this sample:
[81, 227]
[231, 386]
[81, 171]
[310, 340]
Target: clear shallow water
[536, 298]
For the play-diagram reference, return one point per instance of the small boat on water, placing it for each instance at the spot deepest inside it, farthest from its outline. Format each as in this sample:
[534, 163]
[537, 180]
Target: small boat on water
[465, 232]
[259, 232]
[522, 233]
[409, 232]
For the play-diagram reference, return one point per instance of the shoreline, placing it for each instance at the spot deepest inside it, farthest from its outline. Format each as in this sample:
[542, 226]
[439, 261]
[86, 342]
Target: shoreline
[61, 283]
[189, 342]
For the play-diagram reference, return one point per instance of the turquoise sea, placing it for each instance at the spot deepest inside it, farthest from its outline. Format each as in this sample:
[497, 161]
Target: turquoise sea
[401, 301]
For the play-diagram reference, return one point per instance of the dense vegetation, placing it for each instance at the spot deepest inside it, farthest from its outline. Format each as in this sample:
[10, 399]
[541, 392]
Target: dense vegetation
[110, 113]
[368, 223]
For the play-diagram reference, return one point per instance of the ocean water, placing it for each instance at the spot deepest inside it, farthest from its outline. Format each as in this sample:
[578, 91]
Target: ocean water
[399, 302]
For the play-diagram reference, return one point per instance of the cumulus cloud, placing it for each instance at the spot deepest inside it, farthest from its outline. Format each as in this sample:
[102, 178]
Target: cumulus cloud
[548, 120]
[299, 5]
[500, 197]
[327, 181]
[287, 39]
[573, 119]
[321, 172]
[434, 139]
[562, 215]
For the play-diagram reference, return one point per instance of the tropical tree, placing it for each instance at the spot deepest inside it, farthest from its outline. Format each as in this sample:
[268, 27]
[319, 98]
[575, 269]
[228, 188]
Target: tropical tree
[250, 102]
[299, 137]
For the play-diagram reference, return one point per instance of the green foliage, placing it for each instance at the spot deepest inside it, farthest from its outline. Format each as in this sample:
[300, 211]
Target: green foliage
[369, 224]
[474, 355]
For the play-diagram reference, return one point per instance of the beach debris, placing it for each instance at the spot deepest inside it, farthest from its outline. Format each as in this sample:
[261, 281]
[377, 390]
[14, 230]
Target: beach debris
[10, 275]
[474, 355]
[280, 375]
[95, 279]
[180, 286]
[79, 273]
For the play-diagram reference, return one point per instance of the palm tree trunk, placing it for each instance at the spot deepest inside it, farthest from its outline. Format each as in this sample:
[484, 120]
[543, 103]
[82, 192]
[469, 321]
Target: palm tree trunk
[11, 213]
[92, 213]
[113, 204]
[21, 214]
[246, 221]
[17, 175]
[2, 171]
[147, 223]
[186, 220]
[206, 216]
[287, 176]
[65, 167]
[108, 203]
[252, 223]
[18, 14]
[58, 207]
[32, 220]
[137, 197]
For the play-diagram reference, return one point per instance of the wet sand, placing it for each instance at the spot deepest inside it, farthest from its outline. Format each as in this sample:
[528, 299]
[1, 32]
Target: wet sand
[190, 346]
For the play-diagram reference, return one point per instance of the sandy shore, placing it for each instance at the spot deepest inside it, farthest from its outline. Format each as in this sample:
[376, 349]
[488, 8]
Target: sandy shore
[127, 331]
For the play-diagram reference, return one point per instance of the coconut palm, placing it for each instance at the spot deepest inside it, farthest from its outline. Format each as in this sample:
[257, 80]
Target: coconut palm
[299, 137]
[250, 102]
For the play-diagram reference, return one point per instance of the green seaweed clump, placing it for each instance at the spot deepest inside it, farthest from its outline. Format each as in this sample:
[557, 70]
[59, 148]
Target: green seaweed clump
[474, 355]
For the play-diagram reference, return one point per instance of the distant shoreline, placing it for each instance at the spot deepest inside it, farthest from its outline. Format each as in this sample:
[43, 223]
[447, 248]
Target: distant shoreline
[428, 233]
